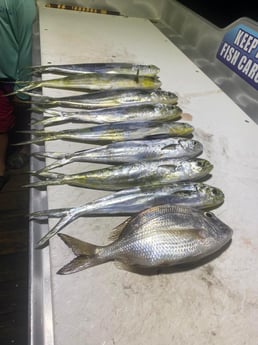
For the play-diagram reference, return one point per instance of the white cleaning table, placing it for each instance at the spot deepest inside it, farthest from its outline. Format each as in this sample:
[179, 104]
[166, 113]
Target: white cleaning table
[216, 303]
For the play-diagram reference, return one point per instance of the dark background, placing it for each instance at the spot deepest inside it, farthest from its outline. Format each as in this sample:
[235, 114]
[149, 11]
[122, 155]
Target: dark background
[223, 13]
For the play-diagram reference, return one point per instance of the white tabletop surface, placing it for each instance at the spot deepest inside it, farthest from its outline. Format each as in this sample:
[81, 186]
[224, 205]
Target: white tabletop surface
[216, 303]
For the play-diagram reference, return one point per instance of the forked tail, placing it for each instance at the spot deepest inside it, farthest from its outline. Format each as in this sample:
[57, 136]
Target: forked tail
[58, 227]
[86, 255]
[61, 160]
[53, 155]
[31, 85]
[52, 213]
[39, 136]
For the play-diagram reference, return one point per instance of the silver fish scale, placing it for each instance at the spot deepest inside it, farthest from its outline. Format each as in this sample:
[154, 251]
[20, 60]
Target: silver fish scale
[155, 248]
[159, 148]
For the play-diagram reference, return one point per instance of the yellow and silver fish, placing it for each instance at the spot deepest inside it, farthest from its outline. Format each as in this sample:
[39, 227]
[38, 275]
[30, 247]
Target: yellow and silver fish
[127, 152]
[104, 99]
[101, 67]
[142, 173]
[93, 82]
[103, 134]
[160, 236]
[132, 113]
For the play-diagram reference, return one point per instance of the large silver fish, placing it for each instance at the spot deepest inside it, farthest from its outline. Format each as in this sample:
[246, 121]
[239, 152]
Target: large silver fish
[164, 235]
[104, 99]
[102, 134]
[131, 113]
[93, 82]
[128, 152]
[131, 201]
[101, 67]
[143, 173]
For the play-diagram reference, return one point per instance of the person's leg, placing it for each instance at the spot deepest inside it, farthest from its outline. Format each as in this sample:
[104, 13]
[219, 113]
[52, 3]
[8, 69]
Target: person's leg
[3, 150]
[7, 121]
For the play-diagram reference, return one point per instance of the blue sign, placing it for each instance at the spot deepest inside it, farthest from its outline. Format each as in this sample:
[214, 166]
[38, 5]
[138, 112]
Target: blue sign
[239, 51]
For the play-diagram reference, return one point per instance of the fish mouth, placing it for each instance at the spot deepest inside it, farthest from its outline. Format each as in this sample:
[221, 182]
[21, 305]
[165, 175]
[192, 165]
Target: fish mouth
[203, 166]
[221, 231]
[208, 167]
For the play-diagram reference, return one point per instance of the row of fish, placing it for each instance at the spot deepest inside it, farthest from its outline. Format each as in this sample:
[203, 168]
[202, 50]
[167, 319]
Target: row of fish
[155, 171]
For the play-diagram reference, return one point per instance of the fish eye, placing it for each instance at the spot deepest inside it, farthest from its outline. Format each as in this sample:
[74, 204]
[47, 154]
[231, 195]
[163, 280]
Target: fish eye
[209, 214]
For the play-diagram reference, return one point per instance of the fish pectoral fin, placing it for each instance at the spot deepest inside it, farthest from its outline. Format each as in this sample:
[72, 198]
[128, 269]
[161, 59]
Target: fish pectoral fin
[169, 147]
[137, 76]
[170, 167]
[79, 248]
[194, 233]
[184, 193]
[124, 266]
[116, 232]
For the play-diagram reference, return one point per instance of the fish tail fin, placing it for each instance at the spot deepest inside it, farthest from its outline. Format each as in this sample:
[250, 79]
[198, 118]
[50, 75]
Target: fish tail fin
[86, 255]
[39, 100]
[36, 108]
[46, 174]
[52, 112]
[53, 155]
[58, 227]
[51, 117]
[79, 247]
[33, 70]
[61, 160]
[36, 95]
[32, 141]
[78, 264]
[52, 213]
[53, 120]
[30, 85]
[40, 136]
[57, 164]
[39, 184]
[45, 183]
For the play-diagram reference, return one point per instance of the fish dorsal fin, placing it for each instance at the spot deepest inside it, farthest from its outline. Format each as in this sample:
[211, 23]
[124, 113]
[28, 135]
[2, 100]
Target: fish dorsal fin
[118, 229]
